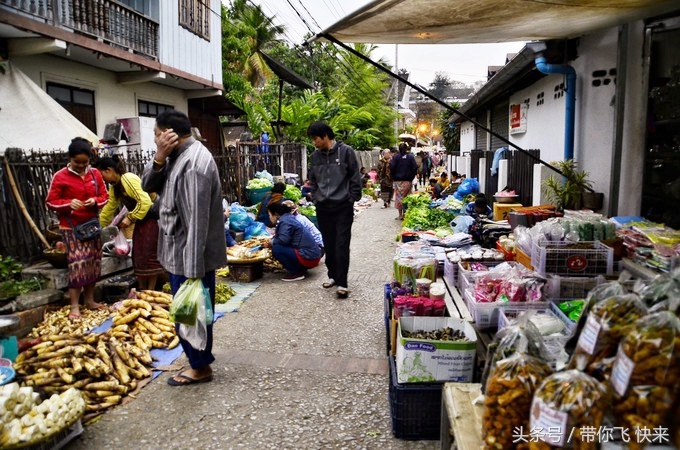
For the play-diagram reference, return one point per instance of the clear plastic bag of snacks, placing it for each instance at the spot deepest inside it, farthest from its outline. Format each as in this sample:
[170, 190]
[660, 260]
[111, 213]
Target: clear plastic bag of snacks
[507, 403]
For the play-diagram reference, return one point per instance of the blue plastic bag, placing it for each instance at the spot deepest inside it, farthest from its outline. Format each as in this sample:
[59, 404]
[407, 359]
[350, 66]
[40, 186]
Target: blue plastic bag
[240, 221]
[256, 229]
[467, 186]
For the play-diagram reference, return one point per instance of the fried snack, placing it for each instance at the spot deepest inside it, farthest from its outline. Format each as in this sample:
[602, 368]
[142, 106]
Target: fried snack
[507, 404]
[608, 322]
[581, 397]
[647, 372]
[521, 336]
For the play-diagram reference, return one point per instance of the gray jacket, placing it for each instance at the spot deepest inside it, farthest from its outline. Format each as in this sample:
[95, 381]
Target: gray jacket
[335, 177]
[191, 240]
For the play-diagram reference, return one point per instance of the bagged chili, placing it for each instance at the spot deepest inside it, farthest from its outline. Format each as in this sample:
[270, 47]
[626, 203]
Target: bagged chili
[646, 372]
[507, 403]
[607, 323]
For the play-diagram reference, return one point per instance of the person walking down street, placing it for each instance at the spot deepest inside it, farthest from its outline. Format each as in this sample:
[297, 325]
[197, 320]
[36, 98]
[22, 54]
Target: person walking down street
[76, 194]
[427, 167]
[404, 169]
[126, 190]
[385, 178]
[292, 245]
[191, 243]
[336, 185]
[419, 166]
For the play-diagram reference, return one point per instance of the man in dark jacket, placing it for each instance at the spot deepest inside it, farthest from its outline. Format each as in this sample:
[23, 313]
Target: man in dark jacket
[336, 185]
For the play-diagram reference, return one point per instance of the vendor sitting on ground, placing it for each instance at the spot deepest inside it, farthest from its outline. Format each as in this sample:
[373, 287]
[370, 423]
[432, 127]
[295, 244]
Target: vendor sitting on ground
[293, 245]
[479, 207]
[444, 180]
[275, 196]
[435, 189]
[305, 222]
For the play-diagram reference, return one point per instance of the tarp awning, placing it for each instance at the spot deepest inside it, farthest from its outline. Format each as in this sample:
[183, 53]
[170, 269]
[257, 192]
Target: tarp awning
[31, 119]
[487, 21]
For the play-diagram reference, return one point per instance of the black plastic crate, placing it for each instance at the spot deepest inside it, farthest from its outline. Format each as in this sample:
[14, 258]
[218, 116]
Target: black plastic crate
[415, 408]
[386, 305]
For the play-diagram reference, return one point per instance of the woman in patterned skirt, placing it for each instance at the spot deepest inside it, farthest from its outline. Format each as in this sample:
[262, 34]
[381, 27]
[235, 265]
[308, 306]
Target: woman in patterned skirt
[126, 189]
[76, 193]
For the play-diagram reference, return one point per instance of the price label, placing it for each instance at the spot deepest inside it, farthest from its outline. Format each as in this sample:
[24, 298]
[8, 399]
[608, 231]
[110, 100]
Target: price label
[623, 368]
[589, 334]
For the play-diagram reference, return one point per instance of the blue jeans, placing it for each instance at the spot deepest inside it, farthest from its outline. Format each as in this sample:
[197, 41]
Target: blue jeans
[198, 359]
[288, 259]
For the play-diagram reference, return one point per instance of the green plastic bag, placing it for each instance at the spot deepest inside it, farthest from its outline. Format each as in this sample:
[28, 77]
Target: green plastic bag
[184, 306]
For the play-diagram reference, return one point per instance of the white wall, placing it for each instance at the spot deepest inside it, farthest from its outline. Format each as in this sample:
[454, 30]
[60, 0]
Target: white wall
[545, 120]
[467, 137]
[595, 106]
[185, 50]
[112, 100]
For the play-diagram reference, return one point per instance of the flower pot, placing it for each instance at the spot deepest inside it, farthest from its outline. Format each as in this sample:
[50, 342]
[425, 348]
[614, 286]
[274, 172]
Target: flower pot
[592, 200]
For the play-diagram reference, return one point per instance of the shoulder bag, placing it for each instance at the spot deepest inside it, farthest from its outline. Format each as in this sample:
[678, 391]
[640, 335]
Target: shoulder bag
[91, 228]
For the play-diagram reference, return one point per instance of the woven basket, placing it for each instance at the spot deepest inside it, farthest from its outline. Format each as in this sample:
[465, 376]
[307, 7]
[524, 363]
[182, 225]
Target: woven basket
[53, 233]
[57, 258]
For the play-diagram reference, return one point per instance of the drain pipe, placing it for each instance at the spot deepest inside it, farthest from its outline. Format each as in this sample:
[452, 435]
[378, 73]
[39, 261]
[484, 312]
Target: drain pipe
[570, 112]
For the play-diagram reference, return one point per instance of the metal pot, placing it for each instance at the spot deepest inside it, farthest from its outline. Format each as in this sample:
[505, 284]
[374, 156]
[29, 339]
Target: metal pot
[517, 218]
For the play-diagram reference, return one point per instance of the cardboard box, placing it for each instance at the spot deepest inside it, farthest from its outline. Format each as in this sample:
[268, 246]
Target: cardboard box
[501, 210]
[423, 360]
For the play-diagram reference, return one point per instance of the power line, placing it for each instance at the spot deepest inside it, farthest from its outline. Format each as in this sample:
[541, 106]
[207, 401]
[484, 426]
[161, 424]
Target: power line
[308, 13]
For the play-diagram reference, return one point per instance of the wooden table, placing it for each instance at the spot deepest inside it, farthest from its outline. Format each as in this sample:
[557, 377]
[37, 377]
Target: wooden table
[461, 420]
[455, 303]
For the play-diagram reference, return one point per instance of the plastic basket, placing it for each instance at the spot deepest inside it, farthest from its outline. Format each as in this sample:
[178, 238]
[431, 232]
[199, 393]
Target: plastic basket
[486, 315]
[415, 408]
[562, 258]
[571, 325]
[387, 316]
[466, 277]
[450, 272]
[255, 196]
[564, 288]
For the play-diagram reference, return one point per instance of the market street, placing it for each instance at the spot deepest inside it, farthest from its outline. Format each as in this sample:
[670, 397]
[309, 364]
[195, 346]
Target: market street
[296, 368]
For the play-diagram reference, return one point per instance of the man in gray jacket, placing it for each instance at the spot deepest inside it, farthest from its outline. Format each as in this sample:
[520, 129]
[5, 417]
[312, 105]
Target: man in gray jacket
[336, 185]
[191, 241]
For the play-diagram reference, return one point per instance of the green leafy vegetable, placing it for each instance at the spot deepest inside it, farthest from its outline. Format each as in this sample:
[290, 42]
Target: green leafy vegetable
[292, 193]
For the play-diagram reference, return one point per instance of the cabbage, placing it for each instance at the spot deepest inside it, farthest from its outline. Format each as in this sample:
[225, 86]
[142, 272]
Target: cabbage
[292, 193]
[259, 183]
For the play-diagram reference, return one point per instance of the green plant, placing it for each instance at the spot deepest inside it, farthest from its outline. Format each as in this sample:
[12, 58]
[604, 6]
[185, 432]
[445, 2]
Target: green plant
[11, 283]
[566, 192]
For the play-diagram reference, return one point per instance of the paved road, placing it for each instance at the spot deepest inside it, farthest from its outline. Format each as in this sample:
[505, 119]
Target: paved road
[296, 369]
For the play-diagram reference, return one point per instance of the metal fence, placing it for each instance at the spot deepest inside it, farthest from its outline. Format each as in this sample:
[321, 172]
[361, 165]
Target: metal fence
[33, 171]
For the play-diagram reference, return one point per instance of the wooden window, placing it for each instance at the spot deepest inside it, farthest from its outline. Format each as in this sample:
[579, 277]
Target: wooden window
[194, 15]
[151, 109]
[79, 102]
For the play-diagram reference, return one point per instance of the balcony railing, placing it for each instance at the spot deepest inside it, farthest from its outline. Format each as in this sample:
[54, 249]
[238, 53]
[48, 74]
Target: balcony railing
[107, 20]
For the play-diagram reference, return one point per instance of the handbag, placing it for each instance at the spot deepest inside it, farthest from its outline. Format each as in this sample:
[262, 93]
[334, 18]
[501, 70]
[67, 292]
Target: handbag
[91, 228]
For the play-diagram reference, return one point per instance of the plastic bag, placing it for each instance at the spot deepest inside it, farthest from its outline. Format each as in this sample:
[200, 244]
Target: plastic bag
[239, 221]
[256, 229]
[607, 323]
[507, 404]
[196, 335]
[121, 245]
[519, 337]
[646, 372]
[184, 306]
[581, 397]
[120, 216]
[467, 186]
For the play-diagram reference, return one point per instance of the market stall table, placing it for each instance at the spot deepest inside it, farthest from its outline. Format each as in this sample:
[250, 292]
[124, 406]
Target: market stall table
[461, 420]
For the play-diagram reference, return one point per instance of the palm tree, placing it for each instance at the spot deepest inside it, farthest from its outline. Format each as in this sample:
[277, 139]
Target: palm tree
[259, 32]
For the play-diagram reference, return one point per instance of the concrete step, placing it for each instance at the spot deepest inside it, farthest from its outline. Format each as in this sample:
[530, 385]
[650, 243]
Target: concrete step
[58, 278]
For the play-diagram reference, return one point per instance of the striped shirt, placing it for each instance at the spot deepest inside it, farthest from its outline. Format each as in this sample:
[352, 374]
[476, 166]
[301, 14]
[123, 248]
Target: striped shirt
[191, 241]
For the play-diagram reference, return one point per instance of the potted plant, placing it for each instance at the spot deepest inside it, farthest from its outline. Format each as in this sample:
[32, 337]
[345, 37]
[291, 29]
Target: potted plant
[567, 192]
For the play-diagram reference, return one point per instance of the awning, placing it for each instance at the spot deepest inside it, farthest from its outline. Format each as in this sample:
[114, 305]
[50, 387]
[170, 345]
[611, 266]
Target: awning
[487, 21]
[31, 119]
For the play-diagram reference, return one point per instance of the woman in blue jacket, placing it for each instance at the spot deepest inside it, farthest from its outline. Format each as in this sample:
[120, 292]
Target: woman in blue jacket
[293, 245]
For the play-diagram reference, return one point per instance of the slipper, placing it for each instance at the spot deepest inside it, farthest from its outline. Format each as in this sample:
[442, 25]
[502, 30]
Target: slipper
[101, 307]
[328, 284]
[342, 292]
[185, 380]
[74, 317]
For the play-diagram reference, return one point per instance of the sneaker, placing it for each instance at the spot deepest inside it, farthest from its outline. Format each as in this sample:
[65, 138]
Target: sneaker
[294, 277]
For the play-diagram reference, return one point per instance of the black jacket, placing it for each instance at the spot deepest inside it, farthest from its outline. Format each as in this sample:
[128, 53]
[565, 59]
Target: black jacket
[403, 167]
[335, 177]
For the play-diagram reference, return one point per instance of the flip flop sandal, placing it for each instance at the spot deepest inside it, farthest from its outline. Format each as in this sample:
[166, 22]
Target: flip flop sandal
[184, 380]
[342, 293]
[328, 284]
[74, 317]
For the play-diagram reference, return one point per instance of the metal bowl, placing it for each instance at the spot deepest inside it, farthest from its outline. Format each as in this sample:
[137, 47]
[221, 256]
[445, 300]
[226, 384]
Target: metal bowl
[506, 198]
[8, 322]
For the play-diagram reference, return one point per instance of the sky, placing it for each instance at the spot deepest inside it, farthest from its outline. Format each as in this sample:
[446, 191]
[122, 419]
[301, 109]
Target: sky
[466, 63]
